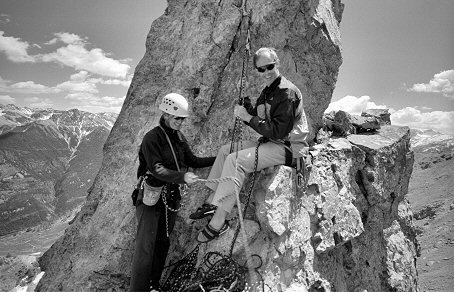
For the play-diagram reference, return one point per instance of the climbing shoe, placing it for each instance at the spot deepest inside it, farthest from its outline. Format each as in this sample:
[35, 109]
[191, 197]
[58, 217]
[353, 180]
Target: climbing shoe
[202, 212]
[210, 233]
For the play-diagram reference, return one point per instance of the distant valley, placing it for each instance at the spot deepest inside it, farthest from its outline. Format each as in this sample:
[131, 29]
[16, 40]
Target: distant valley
[431, 198]
[48, 160]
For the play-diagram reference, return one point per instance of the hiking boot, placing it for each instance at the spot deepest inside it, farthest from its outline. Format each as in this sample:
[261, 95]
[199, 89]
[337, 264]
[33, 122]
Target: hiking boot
[202, 212]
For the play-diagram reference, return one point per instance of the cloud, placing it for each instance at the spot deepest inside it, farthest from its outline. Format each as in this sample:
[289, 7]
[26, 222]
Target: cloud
[39, 102]
[78, 83]
[30, 87]
[124, 83]
[353, 105]
[15, 49]
[70, 86]
[3, 82]
[6, 99]
[74, 54]
[423, 108]
[26, 87]
[415, 119]
[442, 82]
[92, 103]
[70, 38]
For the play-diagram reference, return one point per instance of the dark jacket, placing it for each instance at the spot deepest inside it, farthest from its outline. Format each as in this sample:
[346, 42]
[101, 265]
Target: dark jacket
[156, 156]
[279, 115]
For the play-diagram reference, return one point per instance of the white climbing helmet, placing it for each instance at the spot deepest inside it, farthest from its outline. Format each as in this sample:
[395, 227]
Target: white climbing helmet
[174, 104]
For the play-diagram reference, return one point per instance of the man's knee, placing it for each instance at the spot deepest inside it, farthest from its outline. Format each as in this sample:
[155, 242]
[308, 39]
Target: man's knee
[230, 159]
[224, 150]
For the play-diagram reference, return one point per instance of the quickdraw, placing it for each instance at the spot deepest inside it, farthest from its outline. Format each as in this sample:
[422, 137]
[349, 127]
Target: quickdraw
[183, 191]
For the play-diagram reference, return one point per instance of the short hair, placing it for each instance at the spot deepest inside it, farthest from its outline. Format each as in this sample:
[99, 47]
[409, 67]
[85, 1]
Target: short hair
[270, 51]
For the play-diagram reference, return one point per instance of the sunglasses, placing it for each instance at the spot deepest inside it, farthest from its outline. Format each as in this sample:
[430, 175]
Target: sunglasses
[179, 118]
[268, 67]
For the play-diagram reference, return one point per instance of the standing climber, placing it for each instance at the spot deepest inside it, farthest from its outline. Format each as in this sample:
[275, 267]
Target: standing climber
[279, 117]
[162, 164]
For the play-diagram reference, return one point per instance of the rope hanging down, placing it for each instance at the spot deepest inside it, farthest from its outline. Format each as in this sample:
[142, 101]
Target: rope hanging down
[218, 272]
[237, 134]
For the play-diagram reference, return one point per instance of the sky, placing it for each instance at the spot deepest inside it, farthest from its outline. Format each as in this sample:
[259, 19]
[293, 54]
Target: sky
[82, 54]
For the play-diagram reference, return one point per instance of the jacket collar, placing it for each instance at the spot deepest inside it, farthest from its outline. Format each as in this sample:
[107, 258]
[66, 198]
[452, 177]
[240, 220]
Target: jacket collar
[166, 128]
[273, 85]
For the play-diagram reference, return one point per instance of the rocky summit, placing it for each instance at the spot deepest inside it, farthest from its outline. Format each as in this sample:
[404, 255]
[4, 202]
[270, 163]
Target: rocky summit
[48, 160]
[349, 230]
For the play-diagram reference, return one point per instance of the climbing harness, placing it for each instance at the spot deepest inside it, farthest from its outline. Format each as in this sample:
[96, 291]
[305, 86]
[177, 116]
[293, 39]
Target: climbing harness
[183, 188]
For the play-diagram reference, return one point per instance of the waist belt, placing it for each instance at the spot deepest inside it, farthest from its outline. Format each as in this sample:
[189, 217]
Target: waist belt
[288, 151]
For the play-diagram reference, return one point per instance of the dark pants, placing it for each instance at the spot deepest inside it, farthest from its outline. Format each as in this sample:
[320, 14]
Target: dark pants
[152, 245]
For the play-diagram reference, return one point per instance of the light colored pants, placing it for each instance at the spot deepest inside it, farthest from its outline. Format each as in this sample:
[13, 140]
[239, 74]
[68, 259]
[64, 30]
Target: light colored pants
[238, 165]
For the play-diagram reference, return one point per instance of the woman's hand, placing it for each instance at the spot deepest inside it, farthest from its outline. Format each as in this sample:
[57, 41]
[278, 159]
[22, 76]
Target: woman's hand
[190, 178]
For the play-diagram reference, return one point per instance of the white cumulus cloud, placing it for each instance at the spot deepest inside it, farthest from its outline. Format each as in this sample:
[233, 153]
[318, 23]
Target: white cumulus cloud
[15, 49]
[75, 54]
[415, 119]
[93, 103]
[78, 83]
[353, 105]
[25, 87]
[30, 87]
[442, 82]
[38, 102]
[72, 52]
[124, 83]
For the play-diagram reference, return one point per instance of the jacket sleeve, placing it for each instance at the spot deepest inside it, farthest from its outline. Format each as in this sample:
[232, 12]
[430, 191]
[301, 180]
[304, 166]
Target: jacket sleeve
[249, 107]
[280, 123]
[155, 164]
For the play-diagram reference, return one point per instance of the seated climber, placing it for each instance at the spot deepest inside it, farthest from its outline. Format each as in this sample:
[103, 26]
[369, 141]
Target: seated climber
[279, 117]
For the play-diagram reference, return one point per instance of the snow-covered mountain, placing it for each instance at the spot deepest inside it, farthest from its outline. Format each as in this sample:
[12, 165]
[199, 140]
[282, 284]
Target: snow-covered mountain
[427, 137]
[431, 147]
[48, 160]
[12, 116]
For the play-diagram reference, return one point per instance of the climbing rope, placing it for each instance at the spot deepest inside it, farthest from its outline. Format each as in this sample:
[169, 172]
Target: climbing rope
[237, 133]
[219, 272]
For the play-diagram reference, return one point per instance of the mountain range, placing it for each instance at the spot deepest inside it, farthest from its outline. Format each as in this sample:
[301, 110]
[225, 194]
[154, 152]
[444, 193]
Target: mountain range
[48, 160]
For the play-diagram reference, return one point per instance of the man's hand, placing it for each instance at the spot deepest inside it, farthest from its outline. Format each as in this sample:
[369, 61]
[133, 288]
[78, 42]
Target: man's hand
[242, 113]
[190, 178]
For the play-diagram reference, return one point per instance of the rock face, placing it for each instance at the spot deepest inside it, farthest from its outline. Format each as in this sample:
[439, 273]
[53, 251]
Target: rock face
[343, 234]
